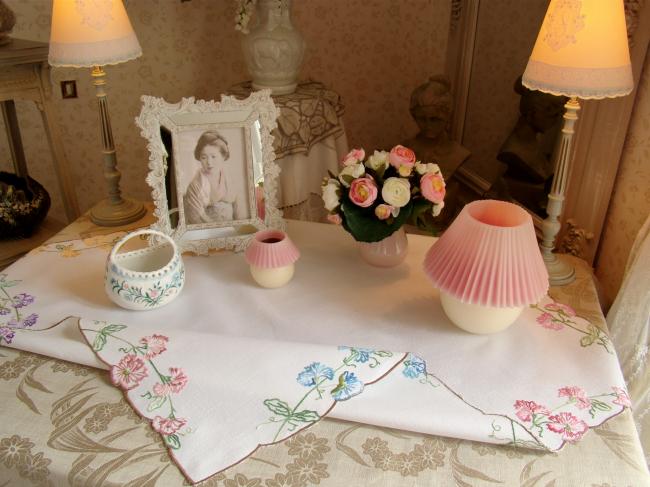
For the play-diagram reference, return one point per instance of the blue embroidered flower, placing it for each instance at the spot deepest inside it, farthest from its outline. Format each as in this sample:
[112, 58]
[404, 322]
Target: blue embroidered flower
[414, 367]
[349, 385]
[313, 373]
[361, 355]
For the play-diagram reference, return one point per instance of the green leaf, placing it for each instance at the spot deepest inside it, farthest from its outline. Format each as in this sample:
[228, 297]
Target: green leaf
[365, 226]
[99, 342]
[156, 403]
[600, 405]
[278, 407]
[382, 353]
[109, 329]
[305, 416]
[173, 441]
[587, 340]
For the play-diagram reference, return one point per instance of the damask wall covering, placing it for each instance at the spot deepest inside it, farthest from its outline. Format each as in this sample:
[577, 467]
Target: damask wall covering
[630, 203]
[191, 49]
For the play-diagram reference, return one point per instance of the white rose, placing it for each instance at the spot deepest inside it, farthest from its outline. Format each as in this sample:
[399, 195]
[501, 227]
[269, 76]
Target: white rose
[378, 161]
[435, 211]
[423, 169]
[331, 189]
[396, 192]
[351, 172]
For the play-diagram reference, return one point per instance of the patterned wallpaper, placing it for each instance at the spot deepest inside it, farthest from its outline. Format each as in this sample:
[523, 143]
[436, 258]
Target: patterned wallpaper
[630, 203]
[192, 49]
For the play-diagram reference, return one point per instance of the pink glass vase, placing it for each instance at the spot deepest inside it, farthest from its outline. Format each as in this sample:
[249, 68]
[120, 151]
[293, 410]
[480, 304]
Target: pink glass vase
[388, 252]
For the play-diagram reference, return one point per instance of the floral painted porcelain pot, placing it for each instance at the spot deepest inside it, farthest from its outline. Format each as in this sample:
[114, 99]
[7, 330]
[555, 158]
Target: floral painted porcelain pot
[146, 278]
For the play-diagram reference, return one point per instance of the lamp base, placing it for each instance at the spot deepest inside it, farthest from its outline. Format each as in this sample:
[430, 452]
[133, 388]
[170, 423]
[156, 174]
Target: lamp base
[106, 214]
[560, 273]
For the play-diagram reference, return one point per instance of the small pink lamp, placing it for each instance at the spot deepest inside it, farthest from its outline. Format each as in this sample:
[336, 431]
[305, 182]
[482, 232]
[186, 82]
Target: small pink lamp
[271, 256]
[488, 266]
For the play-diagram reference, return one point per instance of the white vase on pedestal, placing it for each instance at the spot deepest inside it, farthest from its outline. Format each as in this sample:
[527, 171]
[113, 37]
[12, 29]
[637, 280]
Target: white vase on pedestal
[274, 49]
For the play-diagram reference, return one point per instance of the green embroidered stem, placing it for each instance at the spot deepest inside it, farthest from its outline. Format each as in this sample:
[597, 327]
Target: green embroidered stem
[316, 387]
[11, 301]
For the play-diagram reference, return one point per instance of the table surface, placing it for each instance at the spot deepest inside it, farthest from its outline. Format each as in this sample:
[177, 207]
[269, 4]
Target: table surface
[65, 424]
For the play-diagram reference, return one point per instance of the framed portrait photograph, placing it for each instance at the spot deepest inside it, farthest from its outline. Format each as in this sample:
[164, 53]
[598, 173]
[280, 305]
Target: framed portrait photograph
[212, 169]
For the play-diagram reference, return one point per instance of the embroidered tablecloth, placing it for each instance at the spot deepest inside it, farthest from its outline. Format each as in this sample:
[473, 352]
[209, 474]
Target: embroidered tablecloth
[568, 393]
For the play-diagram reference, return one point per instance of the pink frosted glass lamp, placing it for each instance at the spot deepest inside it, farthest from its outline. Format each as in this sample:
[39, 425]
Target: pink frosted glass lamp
[487, 266]
[271, 256]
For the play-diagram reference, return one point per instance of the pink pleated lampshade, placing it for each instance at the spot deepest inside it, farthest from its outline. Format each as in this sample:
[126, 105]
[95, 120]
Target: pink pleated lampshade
[489, 256]
[270, 249]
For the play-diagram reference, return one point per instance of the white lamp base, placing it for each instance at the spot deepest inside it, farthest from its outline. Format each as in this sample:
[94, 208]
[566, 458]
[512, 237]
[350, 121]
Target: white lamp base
[272, 277]
[478, 319]
[560, 273]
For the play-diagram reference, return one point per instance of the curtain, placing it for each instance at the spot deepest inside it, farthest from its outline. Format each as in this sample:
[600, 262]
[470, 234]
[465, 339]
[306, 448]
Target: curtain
[629, 323]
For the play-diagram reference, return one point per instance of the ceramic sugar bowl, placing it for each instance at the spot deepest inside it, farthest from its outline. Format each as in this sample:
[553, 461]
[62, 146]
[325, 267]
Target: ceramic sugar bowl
[146, 278]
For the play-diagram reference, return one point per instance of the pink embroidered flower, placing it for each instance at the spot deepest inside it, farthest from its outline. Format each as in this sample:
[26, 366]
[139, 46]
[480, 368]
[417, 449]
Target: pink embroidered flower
[155, 344]
[561, 308]
[433, 187]
[384, 211]
[176, 383]
[154, 293]
[570, 427]
[622, 397]
[576, 394]
[352, 157]
[167, 426]
[129, 372]
[363, 192]
[526, 409]
[401, 156]
[547, 321]
[335, 219]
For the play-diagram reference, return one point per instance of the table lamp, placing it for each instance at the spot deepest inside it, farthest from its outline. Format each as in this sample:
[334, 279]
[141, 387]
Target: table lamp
[581, 52]
[92, 35]
[487, 266]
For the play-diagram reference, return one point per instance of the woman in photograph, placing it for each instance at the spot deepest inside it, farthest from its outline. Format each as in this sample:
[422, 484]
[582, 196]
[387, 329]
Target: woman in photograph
[209, 197]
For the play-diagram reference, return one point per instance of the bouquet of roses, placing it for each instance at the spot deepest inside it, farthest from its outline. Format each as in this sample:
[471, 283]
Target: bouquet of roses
[374, 197]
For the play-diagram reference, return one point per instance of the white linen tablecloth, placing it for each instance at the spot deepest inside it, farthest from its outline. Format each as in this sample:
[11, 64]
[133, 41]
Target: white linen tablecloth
[545, 381]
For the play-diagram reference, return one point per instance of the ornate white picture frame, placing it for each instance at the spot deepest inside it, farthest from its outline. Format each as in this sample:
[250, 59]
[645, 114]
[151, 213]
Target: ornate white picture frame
[213, 174]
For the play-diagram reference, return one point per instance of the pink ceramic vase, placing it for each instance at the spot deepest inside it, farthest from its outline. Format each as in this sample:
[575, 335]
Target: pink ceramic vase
[388, 252]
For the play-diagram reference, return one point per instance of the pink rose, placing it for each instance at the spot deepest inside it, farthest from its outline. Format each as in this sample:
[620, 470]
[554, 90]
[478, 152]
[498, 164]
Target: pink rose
[167, 426]
[363, 192]
[129, 372]
[576, 394]
[335, 218]
[154, 344]
[433, 187]
[401, 156]
[384, 211]
[352, 157]
[570, 427]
